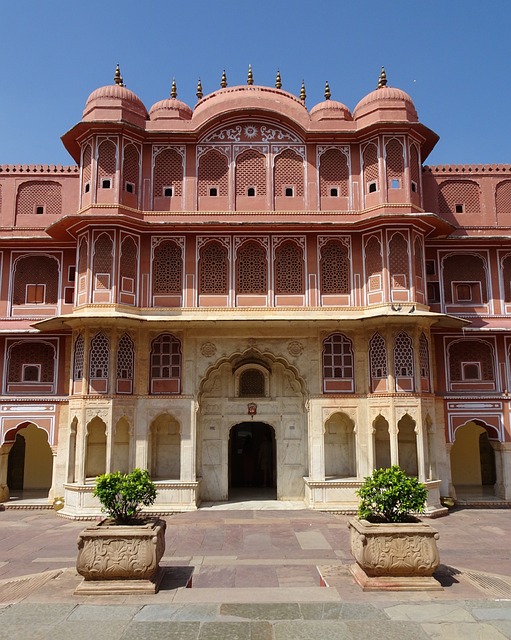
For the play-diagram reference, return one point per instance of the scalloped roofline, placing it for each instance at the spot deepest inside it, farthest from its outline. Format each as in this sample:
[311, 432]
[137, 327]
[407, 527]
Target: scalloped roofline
[468, 168]
[39, 168]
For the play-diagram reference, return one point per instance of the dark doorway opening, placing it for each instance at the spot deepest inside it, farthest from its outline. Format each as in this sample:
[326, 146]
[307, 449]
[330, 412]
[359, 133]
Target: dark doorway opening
[252, 461]
[16, 464]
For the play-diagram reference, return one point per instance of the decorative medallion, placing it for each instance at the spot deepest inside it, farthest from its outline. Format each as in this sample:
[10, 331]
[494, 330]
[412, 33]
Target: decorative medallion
[208, 349]
[295, 348]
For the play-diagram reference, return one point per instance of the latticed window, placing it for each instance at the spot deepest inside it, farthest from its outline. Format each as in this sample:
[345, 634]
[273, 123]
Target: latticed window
[337, 357]
[289, 269]
[167, 268]
[334, 173]
[250, 173]
[213, 269]
[86, 168]
[424, 356]
[378, 356]
[459, 196]
[83, 259]
[78, 358]
[251, 383]
[128, 262]
[251, 269]
[506, 276]
[418, 256]
[470, 351]
[464, 267]
[168, 172]
[99, 356]
[36, 280]
[166, 357]
[334, 268]
[373, 263]
[213, 172]
[39, 197]
[398, 261]
[103, 262]
[40, 354]
[288, 171]
[107, 161]
[414, 167]
[503, 197]
[403, 356]
[395, 163]
[370, 160]
[130, 168]
[125, 358]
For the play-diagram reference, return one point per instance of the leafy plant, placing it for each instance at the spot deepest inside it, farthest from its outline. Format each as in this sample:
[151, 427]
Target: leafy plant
[123, 494]
[390, 495]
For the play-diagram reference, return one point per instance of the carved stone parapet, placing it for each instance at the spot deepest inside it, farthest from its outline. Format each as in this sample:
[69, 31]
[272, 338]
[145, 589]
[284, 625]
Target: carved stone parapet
[395, 556]
[116, 558]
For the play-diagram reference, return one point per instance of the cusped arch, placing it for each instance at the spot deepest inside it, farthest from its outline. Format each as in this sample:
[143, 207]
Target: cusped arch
[10, 435]
[491, 430]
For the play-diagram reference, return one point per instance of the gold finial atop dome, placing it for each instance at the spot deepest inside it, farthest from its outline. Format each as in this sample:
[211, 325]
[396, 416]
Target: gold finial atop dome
[199, 93]
[278, 80]
[173, 90]
[250, 77]
[117, 77]
[328, 93]
[382, 80]
[223, 81]
[303, 95]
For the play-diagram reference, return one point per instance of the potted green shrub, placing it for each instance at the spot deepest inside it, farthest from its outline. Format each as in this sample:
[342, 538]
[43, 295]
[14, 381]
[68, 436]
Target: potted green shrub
[121, 554]
[393, 549]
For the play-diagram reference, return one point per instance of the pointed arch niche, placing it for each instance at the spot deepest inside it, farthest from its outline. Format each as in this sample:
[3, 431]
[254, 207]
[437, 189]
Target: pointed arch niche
[340, 447]
[381, 432]
[95, 451]
[165, 448]
[407, 445]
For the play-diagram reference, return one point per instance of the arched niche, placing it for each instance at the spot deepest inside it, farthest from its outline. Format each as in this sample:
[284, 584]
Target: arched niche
[340, 447]
[165, 448]
[121, 450]
[382, 459]
[407, 445]
[95, 451]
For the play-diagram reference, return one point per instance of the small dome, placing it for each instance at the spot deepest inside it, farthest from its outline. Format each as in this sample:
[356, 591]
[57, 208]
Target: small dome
[387, 98]
[118, 96]
[330, 109]
[169, 109]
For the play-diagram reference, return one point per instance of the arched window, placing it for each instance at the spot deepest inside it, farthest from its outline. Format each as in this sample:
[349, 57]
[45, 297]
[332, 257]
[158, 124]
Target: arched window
[395, 164]
[333, 174]
[465, 269]
[78, 358]
[213, 269]
[251, 173]
[36, 280]
[398, 261]
[251, 269]
[370, 163]
[128, 269]
[107, 164]
[31, 362]
[373, 264]
[378, 362]
[418, 256]
[99, 357]
[168, 174]
[86, 168]
[506, 277]
[288, 174]
[459, 196]
[403, 362]
[83, 259]
[130, 169]
[338, 364]
[167, 268]
[471, 360]
[424, 357]
[213, 174]
[503, 197]
[334, 268]
[103, 262]
[125, 364]
[39, 197]
[166, 364]
[289, 269]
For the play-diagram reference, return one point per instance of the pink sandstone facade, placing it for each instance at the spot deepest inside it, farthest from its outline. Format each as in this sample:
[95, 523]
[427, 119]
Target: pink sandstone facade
[250, 294]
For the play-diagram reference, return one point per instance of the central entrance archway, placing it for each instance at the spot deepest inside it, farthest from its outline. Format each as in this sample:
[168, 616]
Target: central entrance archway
[252, 461]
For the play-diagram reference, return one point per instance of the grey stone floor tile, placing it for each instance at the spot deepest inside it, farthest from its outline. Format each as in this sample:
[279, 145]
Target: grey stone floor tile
[87, 629]
[225, 631]
[185, 613]
[162, 631]
[504, 626]
[25, 631]
[42, 614]
[312, 630]
[429, 612]
[277, 611]
[103, 612]
[321, 610]
[385, 630]
[492, 613]
[462, 631]
[356, 611]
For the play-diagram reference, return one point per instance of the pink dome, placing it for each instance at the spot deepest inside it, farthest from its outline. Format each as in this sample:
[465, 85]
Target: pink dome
[330, 109]
[118, 96]
[169, 109]
[386, 98]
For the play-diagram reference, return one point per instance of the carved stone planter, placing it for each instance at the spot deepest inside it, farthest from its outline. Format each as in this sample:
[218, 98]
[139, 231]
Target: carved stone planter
[394, 556]
[119, 559]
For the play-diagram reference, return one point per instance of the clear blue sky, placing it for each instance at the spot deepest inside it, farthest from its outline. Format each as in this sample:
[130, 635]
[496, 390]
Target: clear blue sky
[452, 57]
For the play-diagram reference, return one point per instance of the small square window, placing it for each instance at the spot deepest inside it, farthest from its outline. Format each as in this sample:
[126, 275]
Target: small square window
[71, 273]
[463, 293]
[334, 192]
[87, 187]
[395, 184]
[251, 192]
[31, 373]
[471, 370]
[213, 192]
[414, 187]
[39, 209]
[372, 187]
[459, 208]
[106, 183]
[35, 293]
[69, 295]
[433, 292]
[168, 192]
[430, 267]
[130, 187]
[289, 192]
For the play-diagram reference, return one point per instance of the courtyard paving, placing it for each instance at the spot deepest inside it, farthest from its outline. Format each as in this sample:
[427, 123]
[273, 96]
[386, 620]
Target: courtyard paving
[254, 574]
